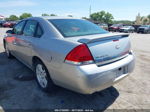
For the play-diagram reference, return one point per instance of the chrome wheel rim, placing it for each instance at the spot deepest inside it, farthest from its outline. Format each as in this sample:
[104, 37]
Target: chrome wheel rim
[41, 75]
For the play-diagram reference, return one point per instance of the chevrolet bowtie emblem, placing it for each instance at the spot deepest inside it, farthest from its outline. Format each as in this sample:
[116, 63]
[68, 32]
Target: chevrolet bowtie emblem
[117, 47]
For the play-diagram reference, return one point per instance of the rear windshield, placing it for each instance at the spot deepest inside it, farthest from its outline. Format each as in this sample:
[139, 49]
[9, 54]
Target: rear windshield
[76, 27]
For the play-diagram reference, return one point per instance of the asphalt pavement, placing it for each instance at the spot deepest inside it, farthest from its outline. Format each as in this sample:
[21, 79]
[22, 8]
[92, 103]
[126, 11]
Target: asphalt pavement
[18, 89]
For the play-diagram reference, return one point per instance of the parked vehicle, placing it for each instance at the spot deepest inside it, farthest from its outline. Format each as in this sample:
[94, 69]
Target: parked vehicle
[115, 27]
[104, 26]
[9, 24]
[16, 22]
[136, 27]
[72, 53]
[1, 23]
[127, 29]
[144, 29]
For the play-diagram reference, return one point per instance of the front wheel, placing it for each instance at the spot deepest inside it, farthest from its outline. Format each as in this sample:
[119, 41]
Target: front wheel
[42, 77]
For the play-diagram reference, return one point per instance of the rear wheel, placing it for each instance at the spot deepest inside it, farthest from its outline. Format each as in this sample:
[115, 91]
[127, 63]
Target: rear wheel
[42, 77]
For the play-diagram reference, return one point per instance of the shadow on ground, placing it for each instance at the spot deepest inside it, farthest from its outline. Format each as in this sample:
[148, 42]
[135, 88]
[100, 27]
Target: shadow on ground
[24, 94]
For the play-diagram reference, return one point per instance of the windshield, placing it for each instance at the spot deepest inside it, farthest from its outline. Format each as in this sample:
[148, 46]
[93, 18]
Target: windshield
[76, 27]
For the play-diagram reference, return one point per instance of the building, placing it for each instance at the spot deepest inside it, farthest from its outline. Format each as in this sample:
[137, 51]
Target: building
[2, 17]
[138, 20]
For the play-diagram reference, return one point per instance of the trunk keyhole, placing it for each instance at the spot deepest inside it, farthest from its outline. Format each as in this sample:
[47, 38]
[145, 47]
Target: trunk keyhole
[120, 69]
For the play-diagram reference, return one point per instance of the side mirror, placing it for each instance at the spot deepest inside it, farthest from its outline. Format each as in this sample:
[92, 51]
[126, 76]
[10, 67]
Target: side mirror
[9, 32]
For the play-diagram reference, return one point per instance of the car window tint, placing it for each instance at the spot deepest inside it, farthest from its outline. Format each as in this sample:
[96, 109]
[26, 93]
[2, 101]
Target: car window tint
[39, 31]
[30, 28]
[76, 27]
[18, 28]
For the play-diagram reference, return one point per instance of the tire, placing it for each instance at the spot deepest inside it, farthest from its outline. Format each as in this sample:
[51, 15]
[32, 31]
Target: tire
[42, 77]
[8, 53]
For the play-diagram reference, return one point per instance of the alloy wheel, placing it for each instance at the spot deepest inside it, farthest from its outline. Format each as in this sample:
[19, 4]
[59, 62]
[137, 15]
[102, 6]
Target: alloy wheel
[41, 75]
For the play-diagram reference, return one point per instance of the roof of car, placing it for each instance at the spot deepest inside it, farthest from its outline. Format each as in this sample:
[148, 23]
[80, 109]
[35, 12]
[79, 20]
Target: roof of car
[57, 17]
[53, 17]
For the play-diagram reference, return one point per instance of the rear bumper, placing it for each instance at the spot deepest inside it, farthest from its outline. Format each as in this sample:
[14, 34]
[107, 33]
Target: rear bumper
[88, 79]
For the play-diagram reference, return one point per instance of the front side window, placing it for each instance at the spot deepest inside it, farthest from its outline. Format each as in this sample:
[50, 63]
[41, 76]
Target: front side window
[18, 28]
[30, 28]
[76, 27]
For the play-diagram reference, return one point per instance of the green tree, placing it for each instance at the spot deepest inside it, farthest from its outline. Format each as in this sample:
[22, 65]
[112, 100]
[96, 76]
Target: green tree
[13, 18]
[108, 18]
[85, 18]
[127, 22]
[70, 16]
[102, 17]
[25, 15]
[145, 21]
[53, 15]
[148, 18]
[45, 14]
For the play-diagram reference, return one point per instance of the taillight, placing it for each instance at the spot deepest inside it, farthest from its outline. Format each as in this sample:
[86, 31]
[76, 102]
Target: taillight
[79, 55]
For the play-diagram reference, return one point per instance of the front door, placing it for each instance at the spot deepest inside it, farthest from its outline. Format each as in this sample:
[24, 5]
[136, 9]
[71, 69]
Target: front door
[15, 37]
[25, 42]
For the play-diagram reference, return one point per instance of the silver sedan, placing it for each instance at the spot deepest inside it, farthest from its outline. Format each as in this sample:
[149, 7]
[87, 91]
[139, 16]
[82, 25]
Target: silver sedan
[69, 52]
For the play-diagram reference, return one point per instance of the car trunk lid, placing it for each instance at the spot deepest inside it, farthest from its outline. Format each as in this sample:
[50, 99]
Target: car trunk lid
[107, 48]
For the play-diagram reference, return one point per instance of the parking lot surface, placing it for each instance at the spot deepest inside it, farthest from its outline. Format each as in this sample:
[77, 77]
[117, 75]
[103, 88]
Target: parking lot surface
[18, 89]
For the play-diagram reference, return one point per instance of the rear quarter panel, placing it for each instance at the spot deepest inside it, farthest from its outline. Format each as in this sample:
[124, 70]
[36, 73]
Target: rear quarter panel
[52, 51]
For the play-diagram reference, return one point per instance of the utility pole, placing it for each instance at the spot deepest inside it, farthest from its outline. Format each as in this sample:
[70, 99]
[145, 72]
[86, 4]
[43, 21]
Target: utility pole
[90, 9]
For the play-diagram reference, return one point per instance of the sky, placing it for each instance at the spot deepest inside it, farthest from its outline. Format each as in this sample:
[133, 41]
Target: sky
[120, 9]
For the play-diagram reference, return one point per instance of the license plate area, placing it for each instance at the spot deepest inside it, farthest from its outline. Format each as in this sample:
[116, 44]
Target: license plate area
[121, 71]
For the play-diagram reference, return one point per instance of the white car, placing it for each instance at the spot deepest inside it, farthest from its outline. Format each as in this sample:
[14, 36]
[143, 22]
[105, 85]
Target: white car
[127, 29]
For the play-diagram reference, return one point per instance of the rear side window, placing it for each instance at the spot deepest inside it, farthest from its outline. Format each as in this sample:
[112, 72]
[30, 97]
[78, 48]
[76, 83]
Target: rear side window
[18, 28]
[30, 28]
[39, 31]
